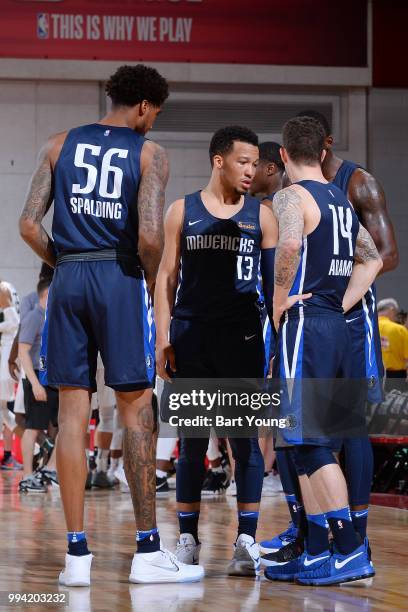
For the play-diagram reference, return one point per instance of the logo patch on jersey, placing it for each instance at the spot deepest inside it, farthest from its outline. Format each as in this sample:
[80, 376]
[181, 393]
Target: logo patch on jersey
[43, 363]
[246, 225]
[42, 25]
[149, 361]
[106, 132]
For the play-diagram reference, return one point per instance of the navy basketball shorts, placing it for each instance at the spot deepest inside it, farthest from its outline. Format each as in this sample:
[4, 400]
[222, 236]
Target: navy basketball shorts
[43, 378]
[313, 364]
[269, 342]
[366, 356]
[100, 306]
[218, 350]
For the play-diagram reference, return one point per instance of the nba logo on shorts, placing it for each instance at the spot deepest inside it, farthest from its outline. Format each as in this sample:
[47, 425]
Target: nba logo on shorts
[43, 363]
[42, 25]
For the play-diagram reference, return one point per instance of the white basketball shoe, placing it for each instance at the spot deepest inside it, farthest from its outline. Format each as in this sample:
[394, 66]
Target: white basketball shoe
[187, 551]
[162, 566]
[77, 572]
[246, 560]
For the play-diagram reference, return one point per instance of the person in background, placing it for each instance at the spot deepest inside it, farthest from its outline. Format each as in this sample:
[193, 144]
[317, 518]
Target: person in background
[402, 317]
[41, 405]
[394, 341]
[8, 329]
[28, 303]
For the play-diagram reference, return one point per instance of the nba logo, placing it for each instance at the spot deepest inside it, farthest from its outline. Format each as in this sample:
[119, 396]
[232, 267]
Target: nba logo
[42, 25]
[43, 363]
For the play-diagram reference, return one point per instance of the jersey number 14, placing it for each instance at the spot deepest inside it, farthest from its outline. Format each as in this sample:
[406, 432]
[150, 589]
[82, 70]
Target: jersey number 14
[344, 226]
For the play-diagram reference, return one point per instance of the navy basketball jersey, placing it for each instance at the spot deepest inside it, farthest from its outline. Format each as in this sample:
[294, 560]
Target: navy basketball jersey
[328, 252]
[219, 263]
[343, 175]
[342, 180]
[269, 197]
[97, 178]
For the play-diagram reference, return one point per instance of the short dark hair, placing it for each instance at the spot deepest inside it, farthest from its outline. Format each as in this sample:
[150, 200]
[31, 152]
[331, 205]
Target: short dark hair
[130, 85]
[223, 139]
[43, 284]
[270, 152]
[303, 138]
[322, 119]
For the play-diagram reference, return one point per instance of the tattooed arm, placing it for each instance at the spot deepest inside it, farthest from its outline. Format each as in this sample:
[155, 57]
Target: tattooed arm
[287, 208]
[39, 198]
[367, 264]
[155, 174]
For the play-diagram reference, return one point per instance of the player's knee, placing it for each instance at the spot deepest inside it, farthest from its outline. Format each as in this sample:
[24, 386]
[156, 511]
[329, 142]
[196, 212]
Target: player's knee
[246, 451]
[73, 421]
[312, 458]
[297, 462]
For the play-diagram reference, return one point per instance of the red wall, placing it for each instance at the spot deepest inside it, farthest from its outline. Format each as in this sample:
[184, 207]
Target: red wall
[390, 41]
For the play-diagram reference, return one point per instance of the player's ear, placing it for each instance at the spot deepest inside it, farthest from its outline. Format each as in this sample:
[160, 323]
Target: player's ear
[217, 161]
[284, 155]
[143, 107]
[328, 143]
[271, 168]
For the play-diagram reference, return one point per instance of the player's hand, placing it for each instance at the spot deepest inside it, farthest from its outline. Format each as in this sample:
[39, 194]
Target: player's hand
[14, 370]
[40, 393]
[291, 300]
[5, 297]
[165, 355]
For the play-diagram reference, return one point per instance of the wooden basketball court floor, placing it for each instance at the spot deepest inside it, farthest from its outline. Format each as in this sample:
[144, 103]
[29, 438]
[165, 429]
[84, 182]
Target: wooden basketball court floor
[32, 536]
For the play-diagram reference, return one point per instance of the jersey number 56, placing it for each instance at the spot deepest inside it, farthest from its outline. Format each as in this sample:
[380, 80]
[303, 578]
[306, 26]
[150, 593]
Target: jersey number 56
[106, 169]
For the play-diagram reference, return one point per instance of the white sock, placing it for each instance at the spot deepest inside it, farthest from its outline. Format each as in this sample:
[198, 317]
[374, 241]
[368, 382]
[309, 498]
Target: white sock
[161, 474]
[102, 460]
[114, 463]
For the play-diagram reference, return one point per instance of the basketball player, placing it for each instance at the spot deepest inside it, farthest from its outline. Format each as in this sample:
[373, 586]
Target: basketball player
[107, 183]
[319, 239]
[368, 200]
[269, 171]
[268, 179]
[213, 242]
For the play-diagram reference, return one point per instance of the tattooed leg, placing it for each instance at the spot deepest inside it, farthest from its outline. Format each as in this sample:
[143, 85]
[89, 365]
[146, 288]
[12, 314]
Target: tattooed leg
[139, 454]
